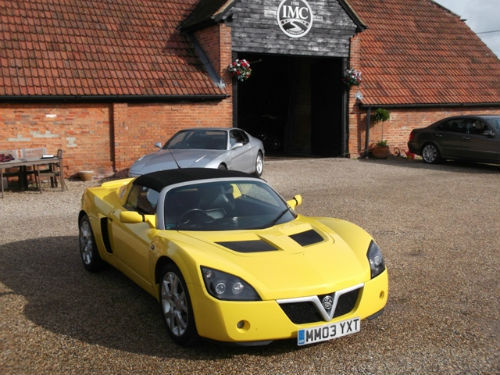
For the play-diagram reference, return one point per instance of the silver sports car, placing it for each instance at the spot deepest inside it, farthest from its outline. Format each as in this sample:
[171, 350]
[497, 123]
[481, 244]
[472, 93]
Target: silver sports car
[222, 148]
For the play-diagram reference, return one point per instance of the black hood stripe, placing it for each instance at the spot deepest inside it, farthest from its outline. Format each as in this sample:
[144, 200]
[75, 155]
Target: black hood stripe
[248, 246]
[306, 238]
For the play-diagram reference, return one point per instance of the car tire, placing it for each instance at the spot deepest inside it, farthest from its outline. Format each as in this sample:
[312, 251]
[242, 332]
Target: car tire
[430, 153]
[259, 164]
[222, 167]
[88, 249]
[176, 307]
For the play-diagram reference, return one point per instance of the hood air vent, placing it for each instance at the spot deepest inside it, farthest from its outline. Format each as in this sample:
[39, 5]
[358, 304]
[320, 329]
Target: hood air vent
[248, 246]
[306, 238]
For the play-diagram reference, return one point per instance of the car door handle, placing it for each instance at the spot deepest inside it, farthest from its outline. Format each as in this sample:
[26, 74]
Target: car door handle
[439, 135]
[466, 138]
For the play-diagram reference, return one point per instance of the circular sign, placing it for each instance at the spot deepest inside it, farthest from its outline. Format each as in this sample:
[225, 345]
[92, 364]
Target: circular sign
[295, 17]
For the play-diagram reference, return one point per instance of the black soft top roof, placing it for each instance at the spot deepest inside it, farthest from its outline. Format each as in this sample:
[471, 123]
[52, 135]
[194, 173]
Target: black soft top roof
[158, 180]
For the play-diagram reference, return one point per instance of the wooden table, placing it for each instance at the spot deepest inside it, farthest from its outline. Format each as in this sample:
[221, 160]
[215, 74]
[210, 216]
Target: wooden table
[23, 164]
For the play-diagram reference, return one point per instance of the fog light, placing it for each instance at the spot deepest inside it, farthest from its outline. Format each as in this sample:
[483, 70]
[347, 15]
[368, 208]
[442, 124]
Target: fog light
[243, 325]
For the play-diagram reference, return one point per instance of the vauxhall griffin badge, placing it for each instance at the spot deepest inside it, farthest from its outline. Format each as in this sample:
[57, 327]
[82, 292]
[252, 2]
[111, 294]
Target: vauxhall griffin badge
[295, 17]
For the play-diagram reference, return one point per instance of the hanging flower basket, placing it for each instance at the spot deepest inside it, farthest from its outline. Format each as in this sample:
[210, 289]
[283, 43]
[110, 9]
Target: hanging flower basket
[240, 68]
[352, 77]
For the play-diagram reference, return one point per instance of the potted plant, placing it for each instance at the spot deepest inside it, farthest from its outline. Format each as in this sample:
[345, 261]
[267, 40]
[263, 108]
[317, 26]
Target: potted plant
[381, 115]
[240, 68]
[380, 150]
[352, 77]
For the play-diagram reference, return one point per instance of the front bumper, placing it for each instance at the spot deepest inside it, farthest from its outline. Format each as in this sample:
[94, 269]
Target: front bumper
[254, 321]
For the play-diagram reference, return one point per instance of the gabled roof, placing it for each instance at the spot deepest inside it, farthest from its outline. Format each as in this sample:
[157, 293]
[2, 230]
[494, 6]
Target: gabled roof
[206, 12]
[82, 48]
[417, 52]
[211, 11]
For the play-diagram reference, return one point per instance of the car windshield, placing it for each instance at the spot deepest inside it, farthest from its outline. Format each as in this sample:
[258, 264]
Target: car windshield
[198, 139]
[224, 205]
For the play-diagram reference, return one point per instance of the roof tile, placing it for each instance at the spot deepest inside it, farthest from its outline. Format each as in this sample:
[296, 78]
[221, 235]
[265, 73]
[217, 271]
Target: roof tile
[93, 47]
[417, 52]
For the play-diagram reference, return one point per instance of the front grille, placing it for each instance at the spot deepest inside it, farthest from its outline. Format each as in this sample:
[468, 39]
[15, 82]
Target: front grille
[301, 312]
[346, 303]
[309, 310]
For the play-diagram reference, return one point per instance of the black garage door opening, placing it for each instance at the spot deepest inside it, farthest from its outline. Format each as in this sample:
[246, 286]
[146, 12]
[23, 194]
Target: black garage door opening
[294, 104]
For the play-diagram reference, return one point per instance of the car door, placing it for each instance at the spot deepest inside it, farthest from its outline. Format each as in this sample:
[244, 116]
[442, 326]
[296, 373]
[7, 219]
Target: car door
[482, 142]
[131, 242]
[449, 137]
[241, 156]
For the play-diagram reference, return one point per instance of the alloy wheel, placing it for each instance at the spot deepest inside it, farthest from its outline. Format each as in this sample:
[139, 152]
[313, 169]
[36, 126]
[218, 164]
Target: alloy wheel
[174, 304]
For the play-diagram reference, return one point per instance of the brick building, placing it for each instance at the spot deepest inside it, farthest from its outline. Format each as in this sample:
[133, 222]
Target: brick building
[105, 80]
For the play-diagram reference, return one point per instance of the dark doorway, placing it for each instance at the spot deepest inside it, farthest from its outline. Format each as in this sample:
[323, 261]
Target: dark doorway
[294, 104]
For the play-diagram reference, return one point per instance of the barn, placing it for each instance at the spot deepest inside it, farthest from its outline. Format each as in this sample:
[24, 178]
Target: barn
[104, 80]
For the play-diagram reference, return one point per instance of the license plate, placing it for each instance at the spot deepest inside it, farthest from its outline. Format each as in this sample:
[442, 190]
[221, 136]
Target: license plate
[328, 331]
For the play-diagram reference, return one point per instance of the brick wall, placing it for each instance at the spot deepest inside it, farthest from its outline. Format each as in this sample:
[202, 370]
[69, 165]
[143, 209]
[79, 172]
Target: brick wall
[82, 131]
[104, 137]
[216, 42]
[142, 125]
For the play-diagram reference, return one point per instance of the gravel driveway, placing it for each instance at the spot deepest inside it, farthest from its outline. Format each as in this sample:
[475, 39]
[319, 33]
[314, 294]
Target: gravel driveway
[438, 226]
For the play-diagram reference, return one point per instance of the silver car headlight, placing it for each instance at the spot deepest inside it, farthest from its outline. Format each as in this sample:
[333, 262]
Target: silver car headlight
[225, 286]
[376, 259]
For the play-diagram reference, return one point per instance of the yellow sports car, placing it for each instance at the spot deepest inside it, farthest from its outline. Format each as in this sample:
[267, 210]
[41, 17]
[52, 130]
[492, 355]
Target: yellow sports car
[230, 260]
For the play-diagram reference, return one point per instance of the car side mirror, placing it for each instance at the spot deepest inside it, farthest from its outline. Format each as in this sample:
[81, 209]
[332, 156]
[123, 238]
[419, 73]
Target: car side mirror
[131, 217]
[295, 201]
[158, 145]
[237, 145]
[134, 217]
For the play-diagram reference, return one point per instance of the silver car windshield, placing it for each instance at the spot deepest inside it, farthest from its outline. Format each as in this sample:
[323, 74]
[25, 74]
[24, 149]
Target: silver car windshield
[198, 139]
[224, 205]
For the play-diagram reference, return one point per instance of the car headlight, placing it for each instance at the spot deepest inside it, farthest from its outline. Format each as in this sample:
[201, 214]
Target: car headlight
[225, 286]
[376, 259]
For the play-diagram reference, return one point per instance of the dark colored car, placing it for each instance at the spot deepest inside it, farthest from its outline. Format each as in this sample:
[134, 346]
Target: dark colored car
[472, 138]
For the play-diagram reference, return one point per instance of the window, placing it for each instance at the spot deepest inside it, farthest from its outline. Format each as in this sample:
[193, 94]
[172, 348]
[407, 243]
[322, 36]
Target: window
[477, 127]
[142, 199]
[224, 205]
[455, 126]
[238, 136]
[495, 122]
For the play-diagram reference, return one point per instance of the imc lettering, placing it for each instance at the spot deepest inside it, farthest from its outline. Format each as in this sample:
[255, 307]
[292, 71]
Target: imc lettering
[295, 12]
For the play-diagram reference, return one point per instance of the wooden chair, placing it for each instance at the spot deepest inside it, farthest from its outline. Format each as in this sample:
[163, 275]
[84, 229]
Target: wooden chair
[55, 172]
[12, 172]
[33, 154]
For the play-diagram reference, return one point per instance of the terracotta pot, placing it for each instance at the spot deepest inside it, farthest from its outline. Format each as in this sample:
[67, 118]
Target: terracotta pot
[380, 152]
[86, 175]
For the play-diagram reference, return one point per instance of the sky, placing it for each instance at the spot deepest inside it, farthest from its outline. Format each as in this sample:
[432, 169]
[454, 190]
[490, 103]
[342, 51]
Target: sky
[482, 16]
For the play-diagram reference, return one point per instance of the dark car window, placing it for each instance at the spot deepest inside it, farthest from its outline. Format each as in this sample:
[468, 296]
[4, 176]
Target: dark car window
[198, 139]
[454, 125]
[224, 205]
[495, 123]
[177, 141]
[238, 136]
[477, 126]
[142, 199]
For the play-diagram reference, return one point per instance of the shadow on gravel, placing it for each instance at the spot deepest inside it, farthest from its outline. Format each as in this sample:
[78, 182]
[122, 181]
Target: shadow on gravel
[104, 308]
[448, 166]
